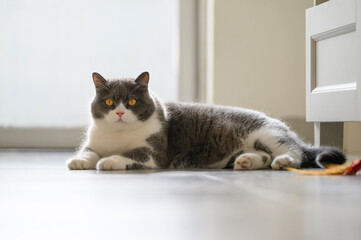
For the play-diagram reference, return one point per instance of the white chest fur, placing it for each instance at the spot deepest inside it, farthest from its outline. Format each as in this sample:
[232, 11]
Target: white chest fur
[106, 142]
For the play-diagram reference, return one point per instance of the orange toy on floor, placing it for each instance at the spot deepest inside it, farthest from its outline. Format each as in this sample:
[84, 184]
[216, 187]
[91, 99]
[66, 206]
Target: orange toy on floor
[350, 168]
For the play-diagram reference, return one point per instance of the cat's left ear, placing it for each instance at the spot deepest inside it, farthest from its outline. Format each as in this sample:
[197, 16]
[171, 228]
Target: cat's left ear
[143, 79]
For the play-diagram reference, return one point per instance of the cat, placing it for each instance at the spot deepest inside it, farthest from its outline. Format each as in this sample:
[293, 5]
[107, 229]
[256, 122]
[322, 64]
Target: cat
[132, 129]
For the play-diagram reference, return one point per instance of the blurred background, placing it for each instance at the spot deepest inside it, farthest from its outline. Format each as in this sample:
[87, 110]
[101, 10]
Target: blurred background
[231, 52]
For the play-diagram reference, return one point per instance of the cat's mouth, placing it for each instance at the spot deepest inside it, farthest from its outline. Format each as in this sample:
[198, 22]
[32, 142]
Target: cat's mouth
[120, 120]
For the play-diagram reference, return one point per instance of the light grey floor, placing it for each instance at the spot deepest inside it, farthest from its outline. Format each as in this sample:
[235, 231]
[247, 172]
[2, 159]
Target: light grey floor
[41, 199]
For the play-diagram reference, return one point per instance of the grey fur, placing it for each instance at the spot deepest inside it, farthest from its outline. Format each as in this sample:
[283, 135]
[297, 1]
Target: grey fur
[159, 143]
[140, 155]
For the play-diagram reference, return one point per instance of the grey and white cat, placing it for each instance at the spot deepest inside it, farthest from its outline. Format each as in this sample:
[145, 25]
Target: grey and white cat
[132, 129]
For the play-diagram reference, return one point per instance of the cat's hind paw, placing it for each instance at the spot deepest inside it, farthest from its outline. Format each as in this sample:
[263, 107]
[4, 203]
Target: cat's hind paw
[78, 164]
[252, 161]
[281, 162]
[243, 162]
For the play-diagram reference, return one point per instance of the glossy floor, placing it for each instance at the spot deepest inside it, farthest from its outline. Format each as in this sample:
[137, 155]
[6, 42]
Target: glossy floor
[41, 199]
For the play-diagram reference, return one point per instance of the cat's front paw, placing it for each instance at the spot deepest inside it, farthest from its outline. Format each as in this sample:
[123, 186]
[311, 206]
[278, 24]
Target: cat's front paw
[79, 164]
[112, 163]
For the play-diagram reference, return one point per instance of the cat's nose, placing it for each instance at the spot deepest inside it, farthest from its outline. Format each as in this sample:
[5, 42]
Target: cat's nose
[120, 114]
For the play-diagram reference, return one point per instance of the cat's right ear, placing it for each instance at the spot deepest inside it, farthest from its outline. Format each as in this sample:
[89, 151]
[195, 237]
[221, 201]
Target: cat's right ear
[99, 81]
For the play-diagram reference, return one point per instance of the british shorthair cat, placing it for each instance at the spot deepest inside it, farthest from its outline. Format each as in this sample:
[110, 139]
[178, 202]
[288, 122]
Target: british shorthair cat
[133, 129]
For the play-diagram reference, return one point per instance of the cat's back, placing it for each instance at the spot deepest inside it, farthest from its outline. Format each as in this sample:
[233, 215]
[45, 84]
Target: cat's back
[194, 123]
[194, 114]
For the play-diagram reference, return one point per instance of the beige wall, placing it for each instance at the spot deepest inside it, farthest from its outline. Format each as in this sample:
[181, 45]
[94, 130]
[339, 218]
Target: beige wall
[260, 61]
[352, 139]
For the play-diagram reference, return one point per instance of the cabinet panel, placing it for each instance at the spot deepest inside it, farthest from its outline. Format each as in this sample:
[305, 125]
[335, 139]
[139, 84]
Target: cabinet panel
[336, 60]
[333, 43]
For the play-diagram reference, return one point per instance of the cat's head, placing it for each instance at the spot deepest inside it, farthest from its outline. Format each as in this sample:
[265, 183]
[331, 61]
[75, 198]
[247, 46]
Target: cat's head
[123, 103]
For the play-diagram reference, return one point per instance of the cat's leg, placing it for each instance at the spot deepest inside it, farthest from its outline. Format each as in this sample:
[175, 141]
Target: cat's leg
[286, 154]
[252, 160]
[139, 158]
[280, 143]
[86, 159]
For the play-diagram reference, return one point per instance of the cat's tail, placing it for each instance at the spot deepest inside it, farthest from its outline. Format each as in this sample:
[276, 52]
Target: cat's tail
[315, 157]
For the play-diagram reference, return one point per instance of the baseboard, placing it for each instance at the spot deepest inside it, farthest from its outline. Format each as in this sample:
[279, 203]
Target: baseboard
[40, 137]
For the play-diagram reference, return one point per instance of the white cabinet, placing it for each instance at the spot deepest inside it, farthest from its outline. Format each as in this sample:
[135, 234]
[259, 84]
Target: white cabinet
[333, 68]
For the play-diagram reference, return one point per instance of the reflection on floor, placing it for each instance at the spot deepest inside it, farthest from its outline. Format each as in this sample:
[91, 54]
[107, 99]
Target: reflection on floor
[41, 199]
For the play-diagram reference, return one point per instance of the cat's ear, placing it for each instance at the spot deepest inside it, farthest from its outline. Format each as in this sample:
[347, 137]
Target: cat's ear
[98, 80]
[143, 79]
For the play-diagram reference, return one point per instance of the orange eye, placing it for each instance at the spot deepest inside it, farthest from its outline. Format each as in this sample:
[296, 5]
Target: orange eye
[132, 102]
[109, 102]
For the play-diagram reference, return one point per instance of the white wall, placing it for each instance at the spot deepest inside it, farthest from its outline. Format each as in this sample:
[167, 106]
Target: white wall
[50, 48]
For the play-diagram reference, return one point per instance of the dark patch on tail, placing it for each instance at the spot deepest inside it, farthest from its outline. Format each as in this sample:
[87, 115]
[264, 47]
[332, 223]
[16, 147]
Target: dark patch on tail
[314, 157]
